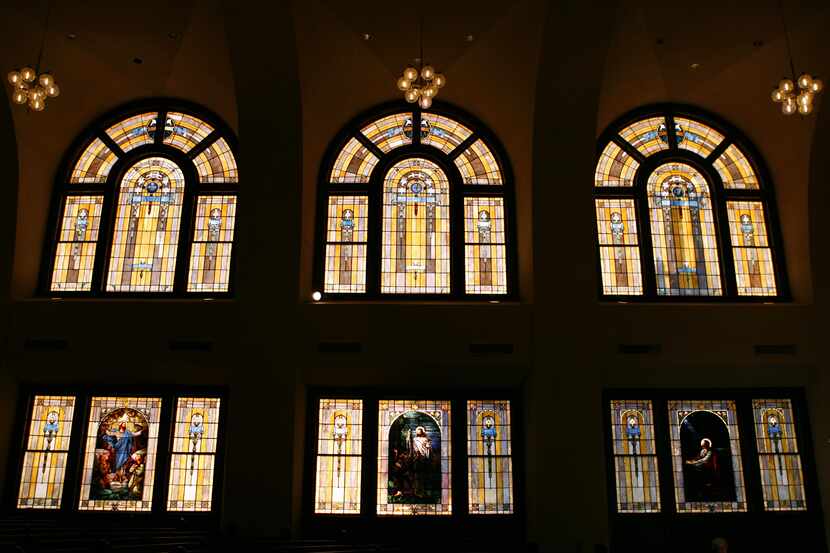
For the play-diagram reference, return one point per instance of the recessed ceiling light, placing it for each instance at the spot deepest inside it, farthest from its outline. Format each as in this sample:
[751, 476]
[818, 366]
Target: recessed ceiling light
[71, 36]
[694, 66]
[366, 36]
[469, 38]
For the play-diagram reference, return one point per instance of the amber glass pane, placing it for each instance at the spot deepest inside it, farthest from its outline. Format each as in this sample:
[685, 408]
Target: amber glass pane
[635, 460]
[192, 472]
[648, 135]
[615, 167]
[489, 458]
[619, 250]
[77, 242]
[210, 256]
[339, 455]
[94, 165]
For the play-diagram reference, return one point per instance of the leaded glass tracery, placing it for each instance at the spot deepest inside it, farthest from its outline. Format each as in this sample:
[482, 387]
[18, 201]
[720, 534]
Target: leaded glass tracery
[193, 460]
[635, 456]
[706, 232]
[339, 456]
[163, 159]
[778, 455]
[489, 458]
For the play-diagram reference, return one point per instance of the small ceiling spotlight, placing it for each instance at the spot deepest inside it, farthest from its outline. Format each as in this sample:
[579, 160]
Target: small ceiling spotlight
[316, 295]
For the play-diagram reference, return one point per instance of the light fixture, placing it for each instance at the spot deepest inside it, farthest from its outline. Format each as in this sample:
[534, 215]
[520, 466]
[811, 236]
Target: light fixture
[316, 295]
[795, 95]
[420, 84]
[30, 86]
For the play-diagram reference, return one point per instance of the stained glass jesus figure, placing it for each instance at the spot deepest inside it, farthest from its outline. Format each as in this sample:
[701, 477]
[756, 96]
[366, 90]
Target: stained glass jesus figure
[121, 441]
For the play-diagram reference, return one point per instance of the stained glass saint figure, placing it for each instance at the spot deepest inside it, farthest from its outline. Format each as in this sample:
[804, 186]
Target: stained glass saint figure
[681, 202]
[120, 452]
[214, 223]
[754, 268]
[81, 226]
[707, 460]
[633, 435]
[618, 237]
[414, 459]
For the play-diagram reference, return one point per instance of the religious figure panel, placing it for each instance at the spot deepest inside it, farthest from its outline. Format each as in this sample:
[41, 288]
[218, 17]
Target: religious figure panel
[346, 237]
[635, 459]
[778, 455]
[210, 256]
[618, 246]
[339, 456]
[77, 242]
[750, 248]
[489, 458]
[485, 252]
[414, 458]
[416, 229]
[47, 444]
[708, 476]
[194, 451]
[120, 457]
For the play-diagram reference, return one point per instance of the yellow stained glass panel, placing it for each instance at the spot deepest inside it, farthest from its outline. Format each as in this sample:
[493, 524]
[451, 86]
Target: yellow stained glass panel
[217, 164]
[648, 135]
[442, 132]
[782, 479]
[735, 170]
[485, 258]
[750, 249]
[94, 165]
[184, 131]
[696, 137]
[133, 131]
[390, 132]
[346, 235]
[210, 257]
[354, 164]
[619, 249]
[489, 458]
[635, 459]
[77, 242]
[615, 167]
[195, 437]
[339, 455]
[478, 165]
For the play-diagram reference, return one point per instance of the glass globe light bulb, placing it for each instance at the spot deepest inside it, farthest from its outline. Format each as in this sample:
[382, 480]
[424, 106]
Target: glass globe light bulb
[805, 97]
[439, 80]
[805, 109]
[428, 72]
[412, 94]
[14, 77]
[410, 73]
[36, 104]
[817, 86]
[425, 102]
[429, 91]
[786, 85]
[38, 92]
[777, 95]
[53, 91]
[20, 96]
[804, 81]
[788, 106]
[46, 80]
[404, 84]
[28, 74]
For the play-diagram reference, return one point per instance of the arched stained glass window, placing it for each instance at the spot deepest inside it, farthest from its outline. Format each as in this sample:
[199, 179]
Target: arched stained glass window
[147, 206]
[683, 210]
[415, 204]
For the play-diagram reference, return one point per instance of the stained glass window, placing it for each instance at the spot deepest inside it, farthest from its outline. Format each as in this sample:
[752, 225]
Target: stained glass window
[184, 131]
[47, 445]
[489, 458]
[683, 232]
[615, 167]
[416, 229]
[120, 454]
[94, 165]
[339, 456]
[735, 171]
[388, 133]
[750, 249]
[478, 166]
[77, 242]
[210, 256]
[648, 135]
[706, 457]
[619, 247]
[414, 456]
[635, 457]
[696, 137]
[778, 455]
[216, 163]
[133, 131]
[346, 237]
[192, 463]
[484, 246]
[143, 256]
[442, 132]
[354, 164]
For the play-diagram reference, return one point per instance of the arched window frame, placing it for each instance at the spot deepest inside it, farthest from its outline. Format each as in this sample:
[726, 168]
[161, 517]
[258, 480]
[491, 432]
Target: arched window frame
[374, 191]
[64, 188]
[719, 195]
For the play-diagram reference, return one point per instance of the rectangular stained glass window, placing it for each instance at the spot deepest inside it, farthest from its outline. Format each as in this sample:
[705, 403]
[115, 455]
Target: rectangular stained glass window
[143, 254]
[346, 235]
[635, 457]
[47, 445]
[94, 164]
[706, 457]
[750, 249]
[414, 471]
[185, 131]
[354, 164]
[696, 137]
[210, 256]
[192, 463]
[390, 132]
[485, 257]
[489, 458]
[615, 167]
[133, 131]
[442, 132]
[619, 250]
[683, 235]
[119, 461]
[735, 171]
[77, 242]
[478, 165]
[778, 455]
[648, 135]
[339, 456]
[216, 163]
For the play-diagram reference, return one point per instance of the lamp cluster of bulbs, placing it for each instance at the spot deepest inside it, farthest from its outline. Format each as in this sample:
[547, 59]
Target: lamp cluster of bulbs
[421, 86]
[31, 88]
[800, 100]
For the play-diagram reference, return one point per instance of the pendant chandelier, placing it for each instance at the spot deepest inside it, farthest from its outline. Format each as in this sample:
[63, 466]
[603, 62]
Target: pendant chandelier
[30, 86]
[795, 94]
[420, 84]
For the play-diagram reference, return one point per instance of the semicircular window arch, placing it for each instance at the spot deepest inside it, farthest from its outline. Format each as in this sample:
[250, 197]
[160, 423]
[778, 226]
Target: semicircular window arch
[147, 206]
[684, 210]
[415, 204]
